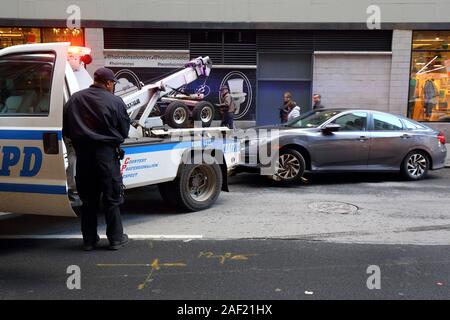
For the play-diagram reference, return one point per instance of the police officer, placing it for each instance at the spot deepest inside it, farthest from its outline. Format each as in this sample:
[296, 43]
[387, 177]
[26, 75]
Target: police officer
[97, 123]
[228, 107]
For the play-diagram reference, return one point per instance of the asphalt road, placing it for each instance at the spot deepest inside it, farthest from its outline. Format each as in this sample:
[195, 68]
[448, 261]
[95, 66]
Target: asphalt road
[347, 208]
[232, 269]
[260, 241]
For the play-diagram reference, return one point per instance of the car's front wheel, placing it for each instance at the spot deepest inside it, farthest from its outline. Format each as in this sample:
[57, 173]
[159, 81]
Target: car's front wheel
[289, 167]
[415, 166]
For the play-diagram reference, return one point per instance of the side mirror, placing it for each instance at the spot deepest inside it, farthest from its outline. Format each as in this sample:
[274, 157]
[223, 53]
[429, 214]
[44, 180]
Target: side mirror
[331, 127]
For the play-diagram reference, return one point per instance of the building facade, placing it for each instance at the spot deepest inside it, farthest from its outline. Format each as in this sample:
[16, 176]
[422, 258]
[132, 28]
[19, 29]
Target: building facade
[262, 49]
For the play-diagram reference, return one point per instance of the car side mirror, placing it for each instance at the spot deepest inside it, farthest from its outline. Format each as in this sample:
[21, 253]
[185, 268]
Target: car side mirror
[331, 127]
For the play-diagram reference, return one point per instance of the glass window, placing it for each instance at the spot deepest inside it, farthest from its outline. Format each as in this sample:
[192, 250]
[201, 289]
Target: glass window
[352, 121]
[25, 84]
[74, 36]
[312, 119]
[386, 122]
[412, 125]
[429, 92]
[14, 36]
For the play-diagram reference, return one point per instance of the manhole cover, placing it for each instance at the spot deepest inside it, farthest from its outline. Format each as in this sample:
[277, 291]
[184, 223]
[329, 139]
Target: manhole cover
[333, 207]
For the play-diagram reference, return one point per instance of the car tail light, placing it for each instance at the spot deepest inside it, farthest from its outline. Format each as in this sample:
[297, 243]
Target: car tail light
[441, 137]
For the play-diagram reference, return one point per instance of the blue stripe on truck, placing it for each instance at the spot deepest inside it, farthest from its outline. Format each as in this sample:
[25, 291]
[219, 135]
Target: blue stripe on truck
[156, 147]
[32, 188]
[26, 134]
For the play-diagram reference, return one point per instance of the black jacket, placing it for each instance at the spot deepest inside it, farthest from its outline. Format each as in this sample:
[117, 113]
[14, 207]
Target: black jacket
[318, 106]
[95, 114]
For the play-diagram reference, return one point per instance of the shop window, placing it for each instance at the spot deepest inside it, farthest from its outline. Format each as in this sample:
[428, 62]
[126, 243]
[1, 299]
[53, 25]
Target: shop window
[25, 82]
[74, 36]
[15, 36]
[429, 93]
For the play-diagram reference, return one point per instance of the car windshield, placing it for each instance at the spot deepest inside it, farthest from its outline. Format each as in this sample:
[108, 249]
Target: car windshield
[312, 119]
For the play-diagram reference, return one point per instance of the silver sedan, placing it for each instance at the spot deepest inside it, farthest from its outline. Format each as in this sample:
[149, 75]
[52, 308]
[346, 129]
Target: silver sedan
[344, 140]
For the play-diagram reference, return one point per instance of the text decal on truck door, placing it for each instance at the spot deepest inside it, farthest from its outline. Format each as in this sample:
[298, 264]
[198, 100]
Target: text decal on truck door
[10, 156]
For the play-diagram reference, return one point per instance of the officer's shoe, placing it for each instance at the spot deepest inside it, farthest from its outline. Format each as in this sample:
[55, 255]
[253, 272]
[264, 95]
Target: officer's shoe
[116, 245]
[88, 246]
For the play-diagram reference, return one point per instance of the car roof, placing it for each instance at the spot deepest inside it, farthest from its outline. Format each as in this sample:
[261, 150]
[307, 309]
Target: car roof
[357, 110]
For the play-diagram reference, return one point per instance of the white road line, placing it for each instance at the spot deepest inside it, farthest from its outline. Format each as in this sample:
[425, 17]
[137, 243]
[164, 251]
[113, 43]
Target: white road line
[78, 236]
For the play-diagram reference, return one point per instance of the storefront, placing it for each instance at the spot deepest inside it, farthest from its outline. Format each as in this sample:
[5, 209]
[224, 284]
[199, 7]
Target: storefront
[260, 65]
[429, 93]
[10, 36]
[349, 68]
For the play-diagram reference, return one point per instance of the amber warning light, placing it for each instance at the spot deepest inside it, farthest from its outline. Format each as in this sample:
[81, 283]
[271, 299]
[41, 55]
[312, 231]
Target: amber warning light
[81, 53]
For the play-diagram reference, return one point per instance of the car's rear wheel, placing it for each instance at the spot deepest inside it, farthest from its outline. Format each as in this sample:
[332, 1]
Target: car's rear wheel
[415, 166]
[289, 167]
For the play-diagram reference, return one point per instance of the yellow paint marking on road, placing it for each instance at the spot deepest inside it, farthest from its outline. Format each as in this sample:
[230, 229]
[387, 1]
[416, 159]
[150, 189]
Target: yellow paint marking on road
[154, 266]
[223, 257]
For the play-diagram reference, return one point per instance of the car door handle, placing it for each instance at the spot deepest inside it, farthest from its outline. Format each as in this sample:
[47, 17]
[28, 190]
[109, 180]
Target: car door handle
[405, 136]
[51, 142]
[362, 138]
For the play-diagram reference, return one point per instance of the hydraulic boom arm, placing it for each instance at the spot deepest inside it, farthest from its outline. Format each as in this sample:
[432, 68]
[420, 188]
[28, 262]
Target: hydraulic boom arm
[141, 103]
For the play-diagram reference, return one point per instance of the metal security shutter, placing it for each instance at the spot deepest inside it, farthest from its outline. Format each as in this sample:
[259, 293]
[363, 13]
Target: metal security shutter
[370, 40]
[285, 41]
[240, 54]
[310, 41]
[213, 50]
[116, 38]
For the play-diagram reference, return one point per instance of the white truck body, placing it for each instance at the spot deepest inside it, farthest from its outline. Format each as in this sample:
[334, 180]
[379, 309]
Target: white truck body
[33, 176]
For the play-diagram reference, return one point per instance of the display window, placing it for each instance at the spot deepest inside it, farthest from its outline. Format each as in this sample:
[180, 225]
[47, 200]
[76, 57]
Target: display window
[14, 36]
[429, 92]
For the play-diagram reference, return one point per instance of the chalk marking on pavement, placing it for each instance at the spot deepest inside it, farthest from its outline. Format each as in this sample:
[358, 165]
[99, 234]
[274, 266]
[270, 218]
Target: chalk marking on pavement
[79, 236]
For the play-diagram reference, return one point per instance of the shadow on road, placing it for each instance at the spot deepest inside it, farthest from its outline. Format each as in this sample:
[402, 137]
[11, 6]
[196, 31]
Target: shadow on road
[317, 179]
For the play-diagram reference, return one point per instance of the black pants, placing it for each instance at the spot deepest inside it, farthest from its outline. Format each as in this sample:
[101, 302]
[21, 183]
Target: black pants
[227, 120]
[98, 176]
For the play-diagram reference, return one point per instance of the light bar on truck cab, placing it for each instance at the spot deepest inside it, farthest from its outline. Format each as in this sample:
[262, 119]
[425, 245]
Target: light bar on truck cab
[79, 51]
[76, 55]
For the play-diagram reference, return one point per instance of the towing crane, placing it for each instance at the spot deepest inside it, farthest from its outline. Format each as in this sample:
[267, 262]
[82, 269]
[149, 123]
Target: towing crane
[190, 165]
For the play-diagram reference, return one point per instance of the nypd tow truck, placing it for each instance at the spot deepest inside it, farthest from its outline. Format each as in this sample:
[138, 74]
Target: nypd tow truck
[189, 165]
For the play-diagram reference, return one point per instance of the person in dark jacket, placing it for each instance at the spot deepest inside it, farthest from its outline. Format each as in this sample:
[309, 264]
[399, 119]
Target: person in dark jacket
[228, 107]
[284, 109]
[96, 122]
[317, 104]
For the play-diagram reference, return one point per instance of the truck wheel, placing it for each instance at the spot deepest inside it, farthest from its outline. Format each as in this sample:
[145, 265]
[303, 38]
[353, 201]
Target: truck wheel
[197, 187]
[204, 112]
[177, 115]
[290, 167]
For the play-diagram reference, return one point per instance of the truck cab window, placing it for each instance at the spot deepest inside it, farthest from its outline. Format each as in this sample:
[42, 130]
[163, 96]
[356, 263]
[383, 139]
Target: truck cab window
[25, 82]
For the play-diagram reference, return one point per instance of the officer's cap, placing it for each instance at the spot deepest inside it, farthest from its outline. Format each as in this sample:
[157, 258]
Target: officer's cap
[104, 74]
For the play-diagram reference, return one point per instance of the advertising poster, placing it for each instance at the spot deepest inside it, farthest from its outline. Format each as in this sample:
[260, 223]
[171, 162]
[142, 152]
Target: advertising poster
[133, 68]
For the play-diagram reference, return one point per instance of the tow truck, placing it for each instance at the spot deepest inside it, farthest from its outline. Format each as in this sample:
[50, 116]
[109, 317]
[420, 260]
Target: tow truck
[190, 166]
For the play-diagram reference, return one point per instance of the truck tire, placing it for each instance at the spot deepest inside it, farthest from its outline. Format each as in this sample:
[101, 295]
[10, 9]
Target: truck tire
[291, 167]
[177, 115]
[196, 188]
[204, 112]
